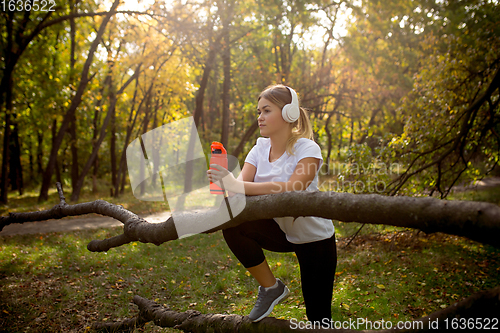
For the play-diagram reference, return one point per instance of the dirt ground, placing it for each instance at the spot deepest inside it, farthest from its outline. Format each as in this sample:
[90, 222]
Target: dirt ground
[96, 222]
[70, 224]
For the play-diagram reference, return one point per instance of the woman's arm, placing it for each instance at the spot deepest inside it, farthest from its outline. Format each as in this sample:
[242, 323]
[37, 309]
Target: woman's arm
[248, 172]
[302, 177]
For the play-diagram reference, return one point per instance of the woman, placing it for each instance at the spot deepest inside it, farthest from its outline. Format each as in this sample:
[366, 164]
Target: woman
[286, 159]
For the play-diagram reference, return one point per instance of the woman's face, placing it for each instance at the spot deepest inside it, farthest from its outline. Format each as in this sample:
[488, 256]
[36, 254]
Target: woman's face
[270, 119]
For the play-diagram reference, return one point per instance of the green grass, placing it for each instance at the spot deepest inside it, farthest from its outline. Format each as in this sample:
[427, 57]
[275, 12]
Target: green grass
[487, 194]
[28, 202]
[52, 283]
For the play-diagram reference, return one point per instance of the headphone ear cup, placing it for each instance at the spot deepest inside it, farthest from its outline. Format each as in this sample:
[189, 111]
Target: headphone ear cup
[284, 113]
[290, 113]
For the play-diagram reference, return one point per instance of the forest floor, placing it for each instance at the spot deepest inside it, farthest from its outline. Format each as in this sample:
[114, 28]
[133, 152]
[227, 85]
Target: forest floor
[50, 282]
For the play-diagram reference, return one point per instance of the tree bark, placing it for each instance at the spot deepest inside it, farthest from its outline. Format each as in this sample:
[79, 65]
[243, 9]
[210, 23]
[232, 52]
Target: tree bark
[4, 188]
[483, 305]
[15, 167]
[200, 94]
[195, 321]
[130, 127]
[76, 190]
[6, 96]
[249, 132]
[95, 126]
[16, 45]
[11, 56]
[329, 142]
[226, 57]
[478, 221]
[39, 152]
[73, 123]
[57, 169]
[75, 102]
[112, 139]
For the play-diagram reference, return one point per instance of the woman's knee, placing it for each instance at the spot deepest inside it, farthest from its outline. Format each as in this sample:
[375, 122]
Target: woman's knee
[231, 233]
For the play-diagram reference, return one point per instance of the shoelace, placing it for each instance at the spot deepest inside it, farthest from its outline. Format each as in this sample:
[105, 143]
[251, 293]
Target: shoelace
[261, 295]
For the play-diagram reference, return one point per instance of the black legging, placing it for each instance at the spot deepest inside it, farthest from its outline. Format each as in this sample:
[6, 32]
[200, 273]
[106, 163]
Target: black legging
[317, 260]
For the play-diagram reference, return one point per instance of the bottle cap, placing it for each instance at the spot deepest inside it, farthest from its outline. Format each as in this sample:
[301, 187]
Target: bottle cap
[217, 148]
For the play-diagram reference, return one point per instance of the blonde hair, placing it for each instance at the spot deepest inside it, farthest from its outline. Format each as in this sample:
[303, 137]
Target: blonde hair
[279, 95]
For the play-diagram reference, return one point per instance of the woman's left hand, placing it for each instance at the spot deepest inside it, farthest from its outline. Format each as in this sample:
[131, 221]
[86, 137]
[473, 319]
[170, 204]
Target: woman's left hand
[221, 174]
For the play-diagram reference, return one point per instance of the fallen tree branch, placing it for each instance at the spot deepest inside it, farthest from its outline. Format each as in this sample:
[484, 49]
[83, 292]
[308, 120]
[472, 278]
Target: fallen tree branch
[485, 304]
[62, 210]
[475, 220]
[194, 321]
[478, 221]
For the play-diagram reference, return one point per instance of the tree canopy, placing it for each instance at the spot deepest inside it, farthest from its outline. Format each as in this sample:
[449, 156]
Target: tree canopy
[81, 82]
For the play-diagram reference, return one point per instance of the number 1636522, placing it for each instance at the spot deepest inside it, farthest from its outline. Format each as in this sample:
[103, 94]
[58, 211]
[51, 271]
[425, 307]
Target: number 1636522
[472, 323]
[28, 5]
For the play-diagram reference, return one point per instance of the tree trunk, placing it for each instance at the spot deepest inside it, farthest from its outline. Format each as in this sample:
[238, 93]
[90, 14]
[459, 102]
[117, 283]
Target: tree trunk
[200, 95]
[276, 49]
[198, 114]
[95, 126]
[341, 132]
[188, 179]
[123, 180]
[248, 134]
[73, 124]
[329, 143]
[57, 169]
[95, 170]
[15, 47]
[226, 57]
[6, 87]
[31, 160]
[351, 137]
[156, 155]
[145, 125]
[4, 188]
[130, 127]
[74, 151]
[95, 149]
[39, 152]
[75, 102]
[370, 124]
[15, 167]
[112, 139]
[119, 185]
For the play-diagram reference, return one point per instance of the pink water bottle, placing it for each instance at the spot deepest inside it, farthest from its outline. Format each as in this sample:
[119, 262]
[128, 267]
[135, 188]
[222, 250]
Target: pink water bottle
[218, 156]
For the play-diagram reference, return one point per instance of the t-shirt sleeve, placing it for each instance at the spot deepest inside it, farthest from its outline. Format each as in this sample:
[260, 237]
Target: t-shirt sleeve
[252, 156]
[309, 148]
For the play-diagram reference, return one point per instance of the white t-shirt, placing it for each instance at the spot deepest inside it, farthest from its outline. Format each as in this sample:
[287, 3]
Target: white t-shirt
[304, 229]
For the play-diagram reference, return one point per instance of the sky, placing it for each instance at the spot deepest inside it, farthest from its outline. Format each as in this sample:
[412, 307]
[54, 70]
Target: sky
[313, 38]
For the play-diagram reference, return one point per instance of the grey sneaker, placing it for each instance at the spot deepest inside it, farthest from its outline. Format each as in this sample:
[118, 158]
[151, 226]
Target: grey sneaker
[266, 301]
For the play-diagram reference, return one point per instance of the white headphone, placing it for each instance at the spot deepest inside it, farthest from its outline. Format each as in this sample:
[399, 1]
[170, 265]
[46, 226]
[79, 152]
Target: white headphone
[291, 112]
